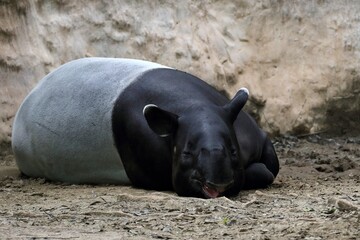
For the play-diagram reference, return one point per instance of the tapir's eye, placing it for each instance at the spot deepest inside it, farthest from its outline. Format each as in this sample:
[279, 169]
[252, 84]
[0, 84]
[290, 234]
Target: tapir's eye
[190, 145]
[187, 159]
[233, 152]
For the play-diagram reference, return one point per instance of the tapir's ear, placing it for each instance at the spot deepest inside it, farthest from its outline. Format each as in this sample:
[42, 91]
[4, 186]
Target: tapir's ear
[237, 103]
[160, 121]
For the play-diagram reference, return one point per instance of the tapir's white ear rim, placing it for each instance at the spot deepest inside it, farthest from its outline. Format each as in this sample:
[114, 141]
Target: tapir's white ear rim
[244, 89]
[147, 107]
[162, 122]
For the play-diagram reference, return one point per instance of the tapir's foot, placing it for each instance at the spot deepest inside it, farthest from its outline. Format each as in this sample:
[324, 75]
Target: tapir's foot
[257, 175]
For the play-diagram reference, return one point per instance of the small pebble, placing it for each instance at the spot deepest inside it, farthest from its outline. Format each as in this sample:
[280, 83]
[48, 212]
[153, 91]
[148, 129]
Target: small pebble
[343, 205]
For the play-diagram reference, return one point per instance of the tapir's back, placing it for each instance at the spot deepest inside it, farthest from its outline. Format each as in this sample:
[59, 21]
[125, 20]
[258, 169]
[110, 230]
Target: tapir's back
[62, 130]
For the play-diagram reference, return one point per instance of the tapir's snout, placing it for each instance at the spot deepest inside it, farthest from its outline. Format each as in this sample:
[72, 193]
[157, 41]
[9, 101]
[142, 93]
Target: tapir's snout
[217, 171]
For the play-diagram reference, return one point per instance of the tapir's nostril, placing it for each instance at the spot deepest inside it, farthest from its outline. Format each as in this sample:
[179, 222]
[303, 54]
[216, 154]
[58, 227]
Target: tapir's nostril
[221, 187]
[214, 149]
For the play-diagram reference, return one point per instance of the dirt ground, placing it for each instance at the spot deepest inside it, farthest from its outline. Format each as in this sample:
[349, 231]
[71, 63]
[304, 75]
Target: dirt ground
[316, 196]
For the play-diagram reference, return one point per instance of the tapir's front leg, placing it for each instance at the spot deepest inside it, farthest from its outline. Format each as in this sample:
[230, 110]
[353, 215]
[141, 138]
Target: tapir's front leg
[261, 174]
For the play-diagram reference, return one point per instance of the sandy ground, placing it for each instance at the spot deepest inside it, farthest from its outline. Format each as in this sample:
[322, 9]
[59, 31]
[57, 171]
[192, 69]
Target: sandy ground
[316, 196]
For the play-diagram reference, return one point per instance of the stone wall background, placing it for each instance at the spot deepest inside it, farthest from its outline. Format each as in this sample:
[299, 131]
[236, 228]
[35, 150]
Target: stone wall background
[299, 59]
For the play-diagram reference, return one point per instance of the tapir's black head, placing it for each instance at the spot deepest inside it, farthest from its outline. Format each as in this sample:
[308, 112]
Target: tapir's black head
[206, 160]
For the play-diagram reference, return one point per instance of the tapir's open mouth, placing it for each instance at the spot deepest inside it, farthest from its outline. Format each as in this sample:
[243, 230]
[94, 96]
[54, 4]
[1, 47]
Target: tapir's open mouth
[212, 192]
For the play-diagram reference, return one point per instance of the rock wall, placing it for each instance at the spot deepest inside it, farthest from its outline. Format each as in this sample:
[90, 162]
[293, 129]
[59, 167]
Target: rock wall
[300, 59]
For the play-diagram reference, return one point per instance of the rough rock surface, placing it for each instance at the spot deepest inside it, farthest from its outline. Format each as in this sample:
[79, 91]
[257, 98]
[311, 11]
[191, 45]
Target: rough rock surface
[299, 59]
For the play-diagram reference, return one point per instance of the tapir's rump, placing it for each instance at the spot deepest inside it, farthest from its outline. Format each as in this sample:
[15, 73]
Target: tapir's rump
[62, 131]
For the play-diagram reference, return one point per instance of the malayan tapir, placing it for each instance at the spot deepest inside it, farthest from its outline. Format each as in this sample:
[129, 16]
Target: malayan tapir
[126, 121]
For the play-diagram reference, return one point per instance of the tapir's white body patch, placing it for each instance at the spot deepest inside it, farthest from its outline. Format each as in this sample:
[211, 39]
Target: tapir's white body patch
[63, 129]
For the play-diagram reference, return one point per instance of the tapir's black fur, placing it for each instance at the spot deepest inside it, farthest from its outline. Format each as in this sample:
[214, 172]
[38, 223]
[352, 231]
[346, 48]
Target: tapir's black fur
[192, 140]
